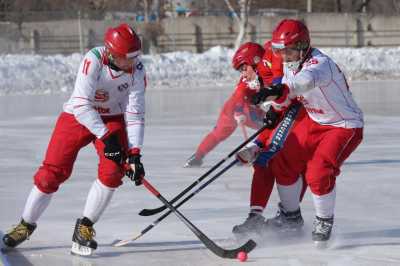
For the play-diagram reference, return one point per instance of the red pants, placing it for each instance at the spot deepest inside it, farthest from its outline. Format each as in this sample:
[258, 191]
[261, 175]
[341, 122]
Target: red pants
[224, 128]
[316, 150]
[262, 185]
[68, 137]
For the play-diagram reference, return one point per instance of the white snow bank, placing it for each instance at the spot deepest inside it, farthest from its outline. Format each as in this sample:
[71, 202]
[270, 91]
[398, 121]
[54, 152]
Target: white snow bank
[35, 74]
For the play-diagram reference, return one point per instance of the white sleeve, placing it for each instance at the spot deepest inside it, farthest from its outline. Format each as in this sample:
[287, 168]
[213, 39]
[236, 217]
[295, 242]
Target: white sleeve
[314, 74]
[83, 95]
[135, 112]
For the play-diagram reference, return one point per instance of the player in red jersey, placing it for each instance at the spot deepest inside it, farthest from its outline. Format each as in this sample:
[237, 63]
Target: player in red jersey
[254, 64]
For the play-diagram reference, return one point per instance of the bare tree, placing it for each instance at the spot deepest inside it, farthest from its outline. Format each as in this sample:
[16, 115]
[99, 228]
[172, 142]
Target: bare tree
[242, 20]
[338, 6]
[151, 29]
[396, 5]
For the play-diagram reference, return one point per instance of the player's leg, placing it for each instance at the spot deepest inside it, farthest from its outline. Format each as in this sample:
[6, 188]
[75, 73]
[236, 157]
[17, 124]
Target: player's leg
[286, 167]
[110, 176]
[67, 139]
[288, 216]
[224, 128]
[333, 147]
[261, 189]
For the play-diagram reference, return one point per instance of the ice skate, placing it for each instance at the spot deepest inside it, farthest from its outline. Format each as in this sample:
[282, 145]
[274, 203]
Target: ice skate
[18, 234]
[322, 228]
[193, 161]
[285, 221]
[254, 224]
[83, 243]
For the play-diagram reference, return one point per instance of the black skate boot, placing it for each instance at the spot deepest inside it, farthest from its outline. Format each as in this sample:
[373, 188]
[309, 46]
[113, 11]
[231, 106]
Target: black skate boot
[322, 231]
[18, 234]
[254, 223]
[82, 241]
[193, 161]
[285, 221]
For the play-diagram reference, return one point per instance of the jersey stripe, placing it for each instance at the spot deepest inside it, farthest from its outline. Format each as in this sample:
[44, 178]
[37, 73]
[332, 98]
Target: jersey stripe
[96, 53]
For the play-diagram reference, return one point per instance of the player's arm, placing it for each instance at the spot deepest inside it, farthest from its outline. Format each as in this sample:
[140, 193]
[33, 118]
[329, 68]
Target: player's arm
[84, 94]
[135, 112]
[238, 102]
[134, 119]
[315, 73]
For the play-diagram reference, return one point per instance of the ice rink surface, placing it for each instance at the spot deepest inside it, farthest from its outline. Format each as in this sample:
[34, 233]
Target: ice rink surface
[367, 224]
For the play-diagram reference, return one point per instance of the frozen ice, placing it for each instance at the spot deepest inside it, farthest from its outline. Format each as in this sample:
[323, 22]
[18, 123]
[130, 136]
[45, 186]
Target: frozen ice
[367, 227]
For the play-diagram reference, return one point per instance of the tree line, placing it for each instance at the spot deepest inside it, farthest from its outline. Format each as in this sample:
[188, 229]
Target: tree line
[160, 7]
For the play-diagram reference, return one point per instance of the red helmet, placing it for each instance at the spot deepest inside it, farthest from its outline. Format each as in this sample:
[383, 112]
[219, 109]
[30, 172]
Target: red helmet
[249, 53]
[122, 41]
[290, 32]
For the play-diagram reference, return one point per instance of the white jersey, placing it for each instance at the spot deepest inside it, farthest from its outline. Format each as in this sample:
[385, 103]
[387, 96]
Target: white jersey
[322, 88]
[101, 91]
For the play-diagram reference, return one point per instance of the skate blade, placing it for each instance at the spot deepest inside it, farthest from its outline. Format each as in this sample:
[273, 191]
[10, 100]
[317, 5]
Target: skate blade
[285, 232]
[321, 244]
[80, 250]
[121, 243]
[193, 166]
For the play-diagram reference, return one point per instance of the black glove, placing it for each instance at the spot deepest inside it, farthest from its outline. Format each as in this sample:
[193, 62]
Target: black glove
[264, 93]
[113, 150]
[271, 118]
[136, 173]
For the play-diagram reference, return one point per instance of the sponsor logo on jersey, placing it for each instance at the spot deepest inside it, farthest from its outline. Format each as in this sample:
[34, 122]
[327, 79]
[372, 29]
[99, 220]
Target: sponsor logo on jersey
[301, 99]
[312, 61]
[309, 109]
[101, 96]
[102, 110]
[312, 110]
[267, 63]
[139, 66]
[123, 86]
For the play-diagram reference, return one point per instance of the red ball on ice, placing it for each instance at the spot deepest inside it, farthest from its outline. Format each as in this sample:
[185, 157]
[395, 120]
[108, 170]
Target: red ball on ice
[242, 256]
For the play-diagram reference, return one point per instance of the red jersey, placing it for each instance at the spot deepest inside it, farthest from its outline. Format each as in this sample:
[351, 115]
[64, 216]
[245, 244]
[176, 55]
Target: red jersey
[240, 102]
[270, 68]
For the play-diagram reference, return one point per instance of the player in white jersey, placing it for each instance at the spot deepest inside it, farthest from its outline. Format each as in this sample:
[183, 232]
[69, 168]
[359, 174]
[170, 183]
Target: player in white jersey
[325, 137]
[106, 108]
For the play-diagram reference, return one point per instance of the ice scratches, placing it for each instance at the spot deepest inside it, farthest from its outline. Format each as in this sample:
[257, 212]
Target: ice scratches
[82, 261]
[274, 239]
[166, 245]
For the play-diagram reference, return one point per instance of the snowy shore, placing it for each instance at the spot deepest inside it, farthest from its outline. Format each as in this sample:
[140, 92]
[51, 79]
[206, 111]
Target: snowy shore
[36, 74]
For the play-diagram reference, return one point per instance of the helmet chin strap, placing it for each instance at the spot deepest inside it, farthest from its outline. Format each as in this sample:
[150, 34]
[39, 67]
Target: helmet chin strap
[304, 55]
[109, 62]
[292, 66]
[113, 66]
